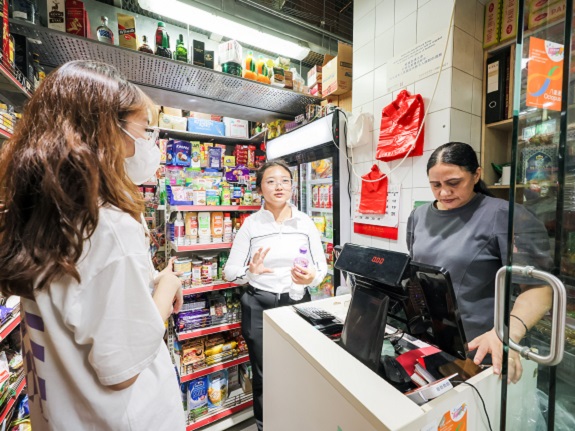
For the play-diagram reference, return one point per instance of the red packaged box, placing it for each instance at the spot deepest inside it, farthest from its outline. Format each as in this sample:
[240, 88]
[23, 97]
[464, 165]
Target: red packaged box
[5, 44]
[77, 18]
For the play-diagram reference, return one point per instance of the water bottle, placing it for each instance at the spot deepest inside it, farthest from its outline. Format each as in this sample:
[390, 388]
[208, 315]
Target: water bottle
[297, 291]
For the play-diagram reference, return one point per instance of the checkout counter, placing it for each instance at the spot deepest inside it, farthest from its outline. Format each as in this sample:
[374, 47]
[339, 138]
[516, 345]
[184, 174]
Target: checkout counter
[311, 383]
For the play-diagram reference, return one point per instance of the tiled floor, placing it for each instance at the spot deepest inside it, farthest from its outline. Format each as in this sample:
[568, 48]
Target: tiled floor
[249, 425]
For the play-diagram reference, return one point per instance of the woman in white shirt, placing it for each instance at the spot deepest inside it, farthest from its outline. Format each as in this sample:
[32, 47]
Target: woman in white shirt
[263, 255]
[72, 245]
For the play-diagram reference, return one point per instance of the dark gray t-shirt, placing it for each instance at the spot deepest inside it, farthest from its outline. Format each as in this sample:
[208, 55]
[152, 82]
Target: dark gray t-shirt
[471, 243]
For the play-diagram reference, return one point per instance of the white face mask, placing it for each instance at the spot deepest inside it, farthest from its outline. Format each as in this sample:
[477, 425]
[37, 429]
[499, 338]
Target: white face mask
[146, 159]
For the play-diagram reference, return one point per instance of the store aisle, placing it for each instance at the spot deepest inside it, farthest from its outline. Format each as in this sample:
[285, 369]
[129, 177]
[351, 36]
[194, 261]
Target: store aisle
[249, 425]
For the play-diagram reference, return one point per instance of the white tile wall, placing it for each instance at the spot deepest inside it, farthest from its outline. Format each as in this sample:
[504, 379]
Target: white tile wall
[389, 28]
[405, 37]
[462, 90]
[383, 47]
[460, 126]
[384, 17]
[465, 15]
[404, 8]
[363, 60]
[463, 45]
[363, 31]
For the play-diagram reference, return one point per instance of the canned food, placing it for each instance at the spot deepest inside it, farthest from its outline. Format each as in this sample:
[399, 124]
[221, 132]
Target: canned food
[183, 265]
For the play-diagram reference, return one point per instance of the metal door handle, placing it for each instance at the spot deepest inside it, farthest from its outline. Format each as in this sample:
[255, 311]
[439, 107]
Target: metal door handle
[557, 344]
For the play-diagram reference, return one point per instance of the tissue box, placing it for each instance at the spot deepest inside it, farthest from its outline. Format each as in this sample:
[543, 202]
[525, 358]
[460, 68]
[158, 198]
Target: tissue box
[172, 122]
[236, 128]
[206, 127]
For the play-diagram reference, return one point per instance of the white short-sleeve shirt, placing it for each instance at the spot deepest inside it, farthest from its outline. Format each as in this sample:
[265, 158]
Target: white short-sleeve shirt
[81, 337]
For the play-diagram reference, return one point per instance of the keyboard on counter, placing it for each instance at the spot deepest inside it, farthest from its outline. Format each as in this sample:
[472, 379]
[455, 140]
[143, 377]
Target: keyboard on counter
[314, 314]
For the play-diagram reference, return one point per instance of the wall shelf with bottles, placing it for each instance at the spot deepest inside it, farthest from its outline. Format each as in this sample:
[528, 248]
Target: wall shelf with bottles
[173, 83]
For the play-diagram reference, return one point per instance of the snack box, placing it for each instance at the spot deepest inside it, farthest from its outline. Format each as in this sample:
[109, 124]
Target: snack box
[179, 153]
[236, 128]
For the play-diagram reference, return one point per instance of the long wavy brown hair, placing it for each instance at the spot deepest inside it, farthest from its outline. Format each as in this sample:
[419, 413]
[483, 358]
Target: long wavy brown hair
[65, 161]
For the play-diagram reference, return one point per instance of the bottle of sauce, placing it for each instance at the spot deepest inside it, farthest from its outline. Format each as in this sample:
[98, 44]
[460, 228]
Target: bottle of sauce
[228, 228]
[217, 223]
[179, 230]
[191, 227]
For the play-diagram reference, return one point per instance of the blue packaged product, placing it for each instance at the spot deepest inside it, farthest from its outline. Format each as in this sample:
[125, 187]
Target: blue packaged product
[181, 153]
[198, 397]
[217, 389]
[170, 153]
[206, 127]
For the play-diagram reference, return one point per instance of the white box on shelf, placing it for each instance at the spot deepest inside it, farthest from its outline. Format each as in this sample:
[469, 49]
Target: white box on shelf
[236, 128]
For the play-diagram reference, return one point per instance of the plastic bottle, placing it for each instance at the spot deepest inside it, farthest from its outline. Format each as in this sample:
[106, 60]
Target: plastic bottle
[144, 47]
[297, 291]
[248, 197]
[217, 223]
[179, 230]
[104, 33]
[162, 41]
[261, 67]
[226, 193]
[250, 64]
[228, 228]
[204, 231]
[191, 224]
[181, 50]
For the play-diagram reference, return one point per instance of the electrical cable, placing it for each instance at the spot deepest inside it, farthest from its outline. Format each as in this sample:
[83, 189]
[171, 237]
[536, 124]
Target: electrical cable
[481, 398]
[350, 162]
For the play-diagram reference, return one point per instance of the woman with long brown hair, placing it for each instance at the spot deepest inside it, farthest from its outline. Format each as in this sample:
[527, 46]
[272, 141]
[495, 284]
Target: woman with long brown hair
[72, 245]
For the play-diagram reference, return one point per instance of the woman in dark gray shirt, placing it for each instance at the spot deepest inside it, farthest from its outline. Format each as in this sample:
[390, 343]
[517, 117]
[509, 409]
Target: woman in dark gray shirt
[465, 231]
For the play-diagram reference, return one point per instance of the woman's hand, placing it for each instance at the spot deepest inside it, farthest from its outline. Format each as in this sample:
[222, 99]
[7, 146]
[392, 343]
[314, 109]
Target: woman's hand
[169, 269]
[303, 276]
[168, 291]
[257, 264]
[490, 343]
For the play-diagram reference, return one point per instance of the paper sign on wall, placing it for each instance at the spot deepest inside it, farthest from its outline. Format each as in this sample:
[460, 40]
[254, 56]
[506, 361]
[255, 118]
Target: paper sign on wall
[418, 62]
[544, 74]
[380, 225]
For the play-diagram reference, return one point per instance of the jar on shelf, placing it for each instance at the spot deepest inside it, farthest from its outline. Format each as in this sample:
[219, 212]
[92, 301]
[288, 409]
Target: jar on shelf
[196, 273]
[207, 270]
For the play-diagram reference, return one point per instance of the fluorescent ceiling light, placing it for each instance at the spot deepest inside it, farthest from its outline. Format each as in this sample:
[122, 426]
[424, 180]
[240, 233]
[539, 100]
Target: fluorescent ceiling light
[195, 17]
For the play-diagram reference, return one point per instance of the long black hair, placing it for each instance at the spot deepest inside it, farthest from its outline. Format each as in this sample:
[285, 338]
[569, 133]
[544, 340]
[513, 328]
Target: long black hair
[270, 164]
[462, 155]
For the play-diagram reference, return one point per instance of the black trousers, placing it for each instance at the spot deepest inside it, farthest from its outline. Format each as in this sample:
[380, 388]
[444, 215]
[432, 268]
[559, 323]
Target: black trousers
[254, 303]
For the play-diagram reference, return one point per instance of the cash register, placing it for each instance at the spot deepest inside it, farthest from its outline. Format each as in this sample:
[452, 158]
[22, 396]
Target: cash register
[389, 288]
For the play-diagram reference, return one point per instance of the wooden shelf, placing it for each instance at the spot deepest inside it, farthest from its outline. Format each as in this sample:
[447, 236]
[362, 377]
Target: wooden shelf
[209, 370]
[207, 331]
[505, 125]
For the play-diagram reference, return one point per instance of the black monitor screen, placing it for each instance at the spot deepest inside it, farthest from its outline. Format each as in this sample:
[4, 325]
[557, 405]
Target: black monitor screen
[446, 325]
[364, 329]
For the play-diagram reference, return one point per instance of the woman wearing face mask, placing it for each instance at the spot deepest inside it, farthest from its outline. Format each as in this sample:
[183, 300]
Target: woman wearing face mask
[263, 256]
[72, 245]
[465, 231]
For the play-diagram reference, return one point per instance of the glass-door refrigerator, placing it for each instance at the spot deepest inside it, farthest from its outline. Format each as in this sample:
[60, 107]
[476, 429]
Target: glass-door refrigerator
[316, 155]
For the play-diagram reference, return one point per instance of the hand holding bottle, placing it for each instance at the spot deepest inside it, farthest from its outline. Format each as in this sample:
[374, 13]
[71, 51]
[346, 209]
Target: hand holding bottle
[303, 276]
[257, 266]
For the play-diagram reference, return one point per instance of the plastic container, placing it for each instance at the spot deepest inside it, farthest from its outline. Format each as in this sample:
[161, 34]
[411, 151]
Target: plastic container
[217, 224]
[248, 197]
[250, 64]
[191, 227]
[207, 270]
[226, 193]
[297, 291]
[183, 265]
[204, 231]
[196, 273]
[179, 230]
[228, 228]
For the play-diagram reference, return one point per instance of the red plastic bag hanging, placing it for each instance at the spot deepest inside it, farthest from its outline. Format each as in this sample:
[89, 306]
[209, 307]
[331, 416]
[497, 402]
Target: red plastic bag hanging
[373, 193]
[400, 122]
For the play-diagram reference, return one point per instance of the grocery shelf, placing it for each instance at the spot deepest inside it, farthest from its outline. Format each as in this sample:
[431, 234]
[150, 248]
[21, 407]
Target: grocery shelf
[190, 136]
[208, 288]
[225, 208]
[243, 411]
[4, 134]
[321, 181]
[13, 86]
[324, 239]
[213, 369]
[173, 83]
[322, 210]
[13, 399]
[200, 247]
[506, 125]
[207, 331]
[9, 326]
